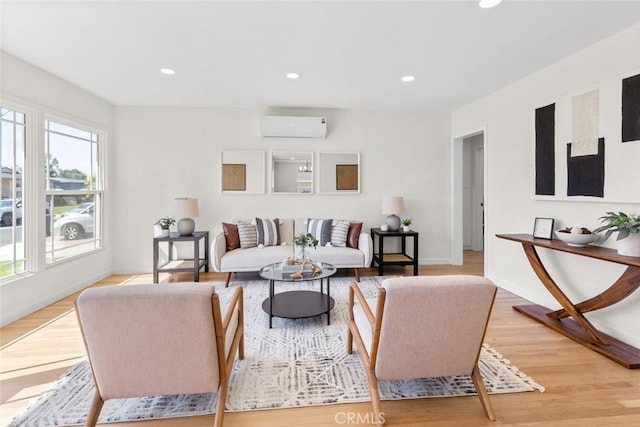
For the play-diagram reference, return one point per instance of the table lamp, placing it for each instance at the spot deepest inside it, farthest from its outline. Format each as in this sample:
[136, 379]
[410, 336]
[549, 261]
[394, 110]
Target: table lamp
[393, 206]
[185, 208]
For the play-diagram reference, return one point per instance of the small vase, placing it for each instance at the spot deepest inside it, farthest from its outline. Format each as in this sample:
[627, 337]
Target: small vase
[301, 253]
[164, 232]
[406, 228]
[630, 246]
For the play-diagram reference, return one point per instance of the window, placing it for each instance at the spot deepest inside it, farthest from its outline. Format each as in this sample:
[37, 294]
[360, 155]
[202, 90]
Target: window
[12, 144]
[74, 190]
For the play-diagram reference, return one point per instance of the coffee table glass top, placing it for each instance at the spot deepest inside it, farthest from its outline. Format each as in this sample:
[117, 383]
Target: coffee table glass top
[274, 272]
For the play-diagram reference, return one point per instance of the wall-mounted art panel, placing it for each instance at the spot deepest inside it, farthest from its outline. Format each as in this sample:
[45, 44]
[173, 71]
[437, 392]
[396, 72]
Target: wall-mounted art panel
[585, 119]
[631, 108]
[242, 172]
[339, 173]
[234, 177]
[585, 174]
[545, 150]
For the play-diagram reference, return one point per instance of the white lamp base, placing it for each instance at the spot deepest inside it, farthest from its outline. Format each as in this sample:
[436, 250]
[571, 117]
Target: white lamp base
[186, 226]
[393, 221]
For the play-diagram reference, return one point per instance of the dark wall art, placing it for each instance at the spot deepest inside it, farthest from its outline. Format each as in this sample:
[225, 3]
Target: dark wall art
[585, 174]
[631, 109]
[545, 150]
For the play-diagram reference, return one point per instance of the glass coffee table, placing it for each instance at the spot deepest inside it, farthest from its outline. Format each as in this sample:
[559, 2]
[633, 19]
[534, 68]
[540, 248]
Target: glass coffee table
[300, 303]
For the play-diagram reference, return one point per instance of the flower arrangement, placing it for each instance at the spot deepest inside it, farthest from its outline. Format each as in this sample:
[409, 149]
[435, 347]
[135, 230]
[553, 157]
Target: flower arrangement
[306, 240]
[624, 224]
[407, 221]
[165, 222]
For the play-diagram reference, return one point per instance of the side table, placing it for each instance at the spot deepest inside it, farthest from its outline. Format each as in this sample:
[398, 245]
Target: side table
[182, 265]
[401, 258]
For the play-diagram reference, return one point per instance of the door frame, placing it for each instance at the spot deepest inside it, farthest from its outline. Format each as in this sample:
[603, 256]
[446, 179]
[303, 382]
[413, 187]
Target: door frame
[457, 187]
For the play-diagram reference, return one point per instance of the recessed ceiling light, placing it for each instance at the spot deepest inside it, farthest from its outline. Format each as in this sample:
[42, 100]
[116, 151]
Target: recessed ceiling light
[293, 76]
[486, 4]
[408, 78]
[167, 71]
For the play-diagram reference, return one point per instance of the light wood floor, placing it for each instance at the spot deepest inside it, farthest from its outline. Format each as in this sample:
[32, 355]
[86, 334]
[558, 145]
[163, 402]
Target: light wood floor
[583, 388]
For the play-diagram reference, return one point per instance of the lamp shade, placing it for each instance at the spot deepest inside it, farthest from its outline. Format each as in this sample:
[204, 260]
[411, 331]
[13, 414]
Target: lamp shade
[393, 205]
[185, 207]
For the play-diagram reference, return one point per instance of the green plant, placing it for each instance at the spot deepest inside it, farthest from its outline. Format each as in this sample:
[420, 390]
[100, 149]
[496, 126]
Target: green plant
[407, 221]
[624, 224]
[307, 240]
[165, 222]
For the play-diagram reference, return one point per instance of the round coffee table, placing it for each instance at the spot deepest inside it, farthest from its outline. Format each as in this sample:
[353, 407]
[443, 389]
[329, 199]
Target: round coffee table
[298, 304]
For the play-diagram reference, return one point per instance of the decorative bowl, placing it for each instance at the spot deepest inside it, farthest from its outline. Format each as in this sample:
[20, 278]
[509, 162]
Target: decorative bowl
[574, 239]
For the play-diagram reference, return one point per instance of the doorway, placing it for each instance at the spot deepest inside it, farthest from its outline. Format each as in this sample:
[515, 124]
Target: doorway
[468, 194]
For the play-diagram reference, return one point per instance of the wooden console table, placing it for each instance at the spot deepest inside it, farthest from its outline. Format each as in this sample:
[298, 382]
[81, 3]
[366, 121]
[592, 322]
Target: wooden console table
[579, 328]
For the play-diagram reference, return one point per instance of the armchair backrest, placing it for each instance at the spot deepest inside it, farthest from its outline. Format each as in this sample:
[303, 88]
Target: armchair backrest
[432, 325]
[151, 339]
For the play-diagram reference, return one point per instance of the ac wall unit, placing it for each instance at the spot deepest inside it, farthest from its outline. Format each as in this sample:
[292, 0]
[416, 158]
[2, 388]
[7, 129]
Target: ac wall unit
[293, 127]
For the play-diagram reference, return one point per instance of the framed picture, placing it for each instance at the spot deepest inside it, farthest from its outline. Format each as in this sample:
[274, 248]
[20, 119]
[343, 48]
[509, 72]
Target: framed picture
[543, 228]
[234, 177]
[346, 177]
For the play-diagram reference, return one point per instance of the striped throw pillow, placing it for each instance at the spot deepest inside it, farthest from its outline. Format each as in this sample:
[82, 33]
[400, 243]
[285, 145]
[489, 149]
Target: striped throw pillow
[339, 234]
[248, 235]
[268, 231]
[321, 230]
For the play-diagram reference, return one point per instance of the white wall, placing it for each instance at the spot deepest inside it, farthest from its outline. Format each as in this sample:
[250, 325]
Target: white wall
[164, 153]
[42, 92]
[508, 116]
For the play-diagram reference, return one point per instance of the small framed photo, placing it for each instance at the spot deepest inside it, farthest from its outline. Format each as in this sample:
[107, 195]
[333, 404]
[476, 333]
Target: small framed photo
[543, 228]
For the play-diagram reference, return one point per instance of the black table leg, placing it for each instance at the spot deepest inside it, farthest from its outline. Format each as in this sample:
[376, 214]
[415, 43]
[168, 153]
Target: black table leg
[328, 301]
[271, 295]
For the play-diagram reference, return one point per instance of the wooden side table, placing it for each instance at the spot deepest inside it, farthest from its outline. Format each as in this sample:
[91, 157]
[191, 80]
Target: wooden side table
[182, 265]
[401, 258]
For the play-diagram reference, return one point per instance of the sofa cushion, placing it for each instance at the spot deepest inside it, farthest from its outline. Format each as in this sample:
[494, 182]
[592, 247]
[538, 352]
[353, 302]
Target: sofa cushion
[248, 235]
[339, 257]
[354, 234]
[320, 229]
[339, 233]
[252, 259]
[268, 231]
[231, 236]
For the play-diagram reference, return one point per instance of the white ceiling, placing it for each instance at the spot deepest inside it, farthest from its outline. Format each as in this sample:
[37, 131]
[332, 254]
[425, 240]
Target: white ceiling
[351, 54]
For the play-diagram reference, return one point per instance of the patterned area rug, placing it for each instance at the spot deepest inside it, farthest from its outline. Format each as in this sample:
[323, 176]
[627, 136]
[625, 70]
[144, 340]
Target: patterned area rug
[297, 363]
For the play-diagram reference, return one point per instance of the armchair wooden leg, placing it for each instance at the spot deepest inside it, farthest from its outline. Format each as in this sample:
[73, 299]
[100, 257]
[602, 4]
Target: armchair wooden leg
[94, 410]
[357, 275]
[349, 340]
[222, 399]
[226, 284]
[375, 399]
[482, 393]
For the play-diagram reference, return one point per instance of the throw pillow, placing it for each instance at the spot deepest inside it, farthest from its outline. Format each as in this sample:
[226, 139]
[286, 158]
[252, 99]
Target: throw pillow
[231, 236]
[268, 231]
[321, 229]
[339, 234]
[248, 235]
[354, 234]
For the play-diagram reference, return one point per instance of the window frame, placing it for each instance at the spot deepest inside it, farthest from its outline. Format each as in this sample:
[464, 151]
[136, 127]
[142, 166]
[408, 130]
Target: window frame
[98, 191]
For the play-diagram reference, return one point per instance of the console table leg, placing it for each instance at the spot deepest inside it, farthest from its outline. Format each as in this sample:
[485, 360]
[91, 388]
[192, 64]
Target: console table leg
[555, 291]
[628, 282]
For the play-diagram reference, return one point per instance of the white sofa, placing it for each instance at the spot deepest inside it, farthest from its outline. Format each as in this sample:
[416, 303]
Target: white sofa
[253, 259]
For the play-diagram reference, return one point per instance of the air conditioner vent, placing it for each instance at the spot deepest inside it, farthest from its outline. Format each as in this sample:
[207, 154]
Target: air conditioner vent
[293, 127]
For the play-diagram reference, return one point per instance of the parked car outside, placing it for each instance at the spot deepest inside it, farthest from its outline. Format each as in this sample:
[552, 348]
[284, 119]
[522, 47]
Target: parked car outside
[6, 212]
[75, 223]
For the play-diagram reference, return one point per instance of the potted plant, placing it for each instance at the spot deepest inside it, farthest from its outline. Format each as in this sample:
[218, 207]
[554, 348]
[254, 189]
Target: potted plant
[302, 242]
[406, 222]
[628, 228]
[165, 223]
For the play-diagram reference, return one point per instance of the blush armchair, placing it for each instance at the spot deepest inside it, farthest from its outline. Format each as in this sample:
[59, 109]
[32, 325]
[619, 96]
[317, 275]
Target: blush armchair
[422, 327]
[154, 340]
